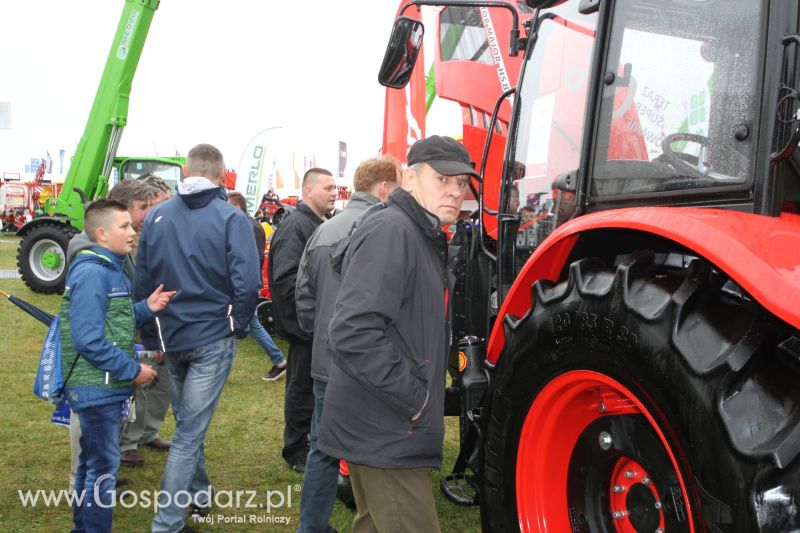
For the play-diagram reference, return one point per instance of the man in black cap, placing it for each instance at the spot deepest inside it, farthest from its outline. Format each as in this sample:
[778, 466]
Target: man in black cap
[384, 402]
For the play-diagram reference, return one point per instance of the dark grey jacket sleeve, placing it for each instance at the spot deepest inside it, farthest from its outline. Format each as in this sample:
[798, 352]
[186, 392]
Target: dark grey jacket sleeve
[305, 291]
[369, 302]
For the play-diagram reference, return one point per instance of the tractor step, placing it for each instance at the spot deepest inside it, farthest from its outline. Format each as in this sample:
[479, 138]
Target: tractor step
[460, 489]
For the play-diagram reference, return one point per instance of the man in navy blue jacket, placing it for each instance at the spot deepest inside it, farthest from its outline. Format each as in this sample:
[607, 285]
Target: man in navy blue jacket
[202, 247]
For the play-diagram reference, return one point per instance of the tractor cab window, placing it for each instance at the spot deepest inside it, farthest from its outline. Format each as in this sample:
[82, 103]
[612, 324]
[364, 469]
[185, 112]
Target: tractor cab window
[551, 106]
[462, 36]
[679, 96]
[168, 171]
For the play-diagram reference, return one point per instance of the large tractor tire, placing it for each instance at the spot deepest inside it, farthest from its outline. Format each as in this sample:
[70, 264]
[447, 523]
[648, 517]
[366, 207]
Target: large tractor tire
[643, 398]
[42, 257]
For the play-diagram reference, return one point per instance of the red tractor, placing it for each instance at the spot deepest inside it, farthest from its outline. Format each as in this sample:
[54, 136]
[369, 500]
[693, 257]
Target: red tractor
[634, 364]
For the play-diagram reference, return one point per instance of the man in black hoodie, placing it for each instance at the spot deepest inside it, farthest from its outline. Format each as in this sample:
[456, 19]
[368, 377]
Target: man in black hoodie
[384, 403]
[286, 248]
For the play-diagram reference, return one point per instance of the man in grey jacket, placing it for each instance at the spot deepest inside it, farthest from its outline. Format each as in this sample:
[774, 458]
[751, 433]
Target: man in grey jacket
[315, 296]
[384, 403]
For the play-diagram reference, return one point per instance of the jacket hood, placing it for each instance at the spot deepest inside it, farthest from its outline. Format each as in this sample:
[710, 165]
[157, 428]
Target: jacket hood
[361, 200]
[98, 255]
[76, 244]
[202, 197]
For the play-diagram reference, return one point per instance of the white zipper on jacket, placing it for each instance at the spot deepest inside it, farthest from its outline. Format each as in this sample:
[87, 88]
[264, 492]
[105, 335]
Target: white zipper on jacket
[160, 338]
[230, 315]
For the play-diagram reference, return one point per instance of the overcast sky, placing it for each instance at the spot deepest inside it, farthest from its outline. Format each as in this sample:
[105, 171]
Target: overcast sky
[210, 72]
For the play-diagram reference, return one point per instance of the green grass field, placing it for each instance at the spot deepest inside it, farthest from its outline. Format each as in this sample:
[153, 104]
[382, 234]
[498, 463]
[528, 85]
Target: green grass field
[242, 446]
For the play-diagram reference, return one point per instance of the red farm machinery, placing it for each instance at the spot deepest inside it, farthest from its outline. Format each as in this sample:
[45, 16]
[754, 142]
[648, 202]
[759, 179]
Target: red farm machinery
[631, 361]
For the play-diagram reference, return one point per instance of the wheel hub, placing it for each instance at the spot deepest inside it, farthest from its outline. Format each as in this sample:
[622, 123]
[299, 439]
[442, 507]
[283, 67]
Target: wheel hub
[46, 260]
[51, 259]
[591, 457]
[634, 499]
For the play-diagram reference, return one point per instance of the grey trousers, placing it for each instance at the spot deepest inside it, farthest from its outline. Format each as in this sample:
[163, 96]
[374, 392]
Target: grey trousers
[393, 501]
[152, 402]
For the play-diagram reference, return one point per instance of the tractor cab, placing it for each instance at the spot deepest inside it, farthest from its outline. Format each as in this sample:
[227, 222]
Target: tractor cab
[667, 103]
[629, 362]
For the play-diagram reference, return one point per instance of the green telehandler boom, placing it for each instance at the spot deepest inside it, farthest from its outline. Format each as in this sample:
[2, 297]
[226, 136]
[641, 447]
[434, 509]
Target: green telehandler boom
[41, 257]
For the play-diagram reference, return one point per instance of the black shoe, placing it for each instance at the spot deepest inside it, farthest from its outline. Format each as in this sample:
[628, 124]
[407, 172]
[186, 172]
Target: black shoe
[187, 529]
[275, 373]
[299, 465]
[202, 510]
[344, 492]
[122, 481]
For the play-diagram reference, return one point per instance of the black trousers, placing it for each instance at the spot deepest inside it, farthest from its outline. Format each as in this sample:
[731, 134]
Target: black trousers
[298, 403]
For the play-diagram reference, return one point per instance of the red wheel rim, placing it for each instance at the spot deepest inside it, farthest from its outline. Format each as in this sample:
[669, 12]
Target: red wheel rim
[558, 416]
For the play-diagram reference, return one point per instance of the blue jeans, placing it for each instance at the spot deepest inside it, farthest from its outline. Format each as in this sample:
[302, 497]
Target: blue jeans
[320, 478]
[263, 339]
[97, 467]
[198, 376]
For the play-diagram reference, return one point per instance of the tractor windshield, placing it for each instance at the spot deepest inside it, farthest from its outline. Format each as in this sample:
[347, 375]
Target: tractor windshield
[679, 96]
[551, 105]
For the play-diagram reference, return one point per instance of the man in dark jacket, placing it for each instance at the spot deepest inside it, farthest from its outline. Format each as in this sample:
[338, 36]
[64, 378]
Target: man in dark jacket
[315, 296]
[384, 403]
[204, 248]
[286, 248]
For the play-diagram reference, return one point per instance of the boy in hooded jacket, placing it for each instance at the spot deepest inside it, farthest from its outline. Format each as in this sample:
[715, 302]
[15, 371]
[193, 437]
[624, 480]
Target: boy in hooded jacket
[98, 320]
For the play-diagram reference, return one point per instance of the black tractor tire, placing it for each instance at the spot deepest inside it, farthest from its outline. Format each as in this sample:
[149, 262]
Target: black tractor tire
[265, 315]
[46, 241]
[705, 364]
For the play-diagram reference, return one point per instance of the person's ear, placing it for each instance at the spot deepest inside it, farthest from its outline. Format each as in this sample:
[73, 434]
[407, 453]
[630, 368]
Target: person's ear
[100, 235]
[409, 179]
[185, 171]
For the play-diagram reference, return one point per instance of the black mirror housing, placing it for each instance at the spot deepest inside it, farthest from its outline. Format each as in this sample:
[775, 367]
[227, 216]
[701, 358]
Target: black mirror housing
[404, 45]
[567, 182]
[587, 7]
[542, 4]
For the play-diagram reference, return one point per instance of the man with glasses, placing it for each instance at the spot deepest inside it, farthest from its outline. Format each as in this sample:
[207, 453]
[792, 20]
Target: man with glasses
[384, 403]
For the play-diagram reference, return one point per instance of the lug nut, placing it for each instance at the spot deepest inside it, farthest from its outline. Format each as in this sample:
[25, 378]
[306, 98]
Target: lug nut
[657, 505]
[619, 488]
[618, 515]
[605, 440]
[630, 474]
[645, 481]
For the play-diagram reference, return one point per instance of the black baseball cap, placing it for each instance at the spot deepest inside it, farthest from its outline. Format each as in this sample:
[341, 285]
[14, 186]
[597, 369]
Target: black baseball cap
[444, 154]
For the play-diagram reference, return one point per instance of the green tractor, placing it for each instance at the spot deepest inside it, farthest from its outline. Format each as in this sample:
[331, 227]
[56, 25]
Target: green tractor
[41, 257]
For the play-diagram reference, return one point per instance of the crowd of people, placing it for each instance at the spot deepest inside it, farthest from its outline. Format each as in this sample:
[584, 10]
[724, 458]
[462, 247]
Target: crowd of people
[361, 298]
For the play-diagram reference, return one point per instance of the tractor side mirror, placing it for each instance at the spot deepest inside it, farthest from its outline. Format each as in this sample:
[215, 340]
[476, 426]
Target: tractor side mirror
[543, 4]
[401, 52]
[567, 182]
[587, 7]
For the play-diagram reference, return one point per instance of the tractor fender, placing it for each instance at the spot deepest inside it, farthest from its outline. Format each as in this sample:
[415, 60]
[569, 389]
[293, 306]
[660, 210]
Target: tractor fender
[759, 253]
[38, 221]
